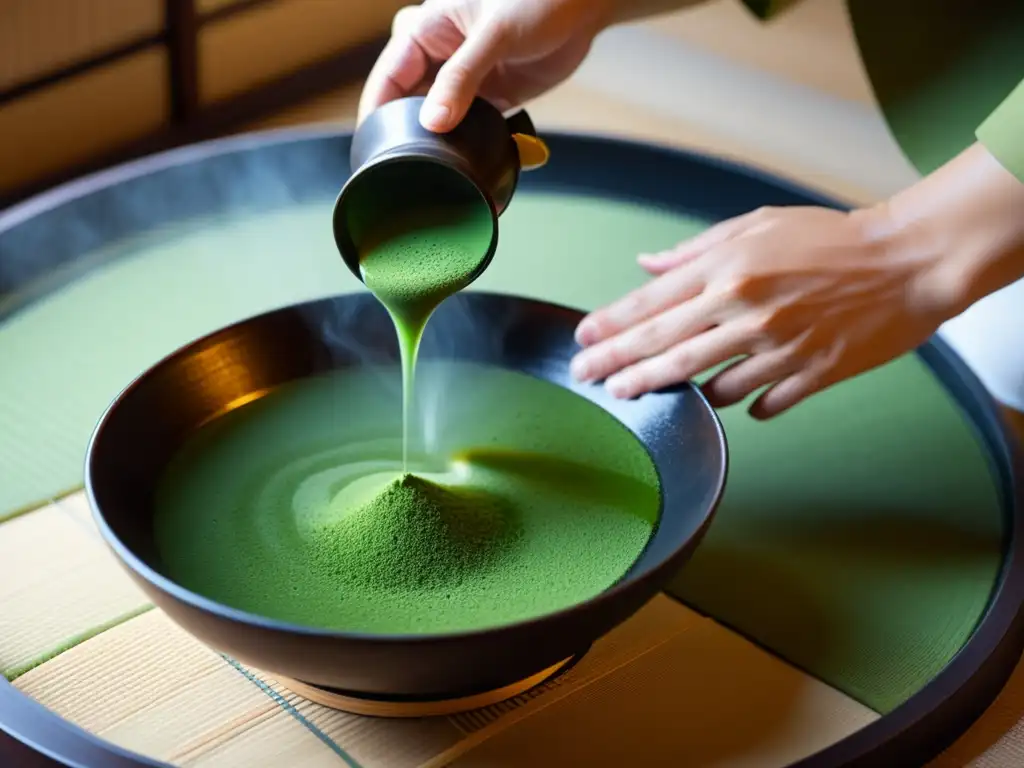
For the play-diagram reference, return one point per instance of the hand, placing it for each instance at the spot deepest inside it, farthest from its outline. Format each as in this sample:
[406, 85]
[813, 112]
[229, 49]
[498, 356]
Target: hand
[803, 297]
[807, 297]
[505, 51]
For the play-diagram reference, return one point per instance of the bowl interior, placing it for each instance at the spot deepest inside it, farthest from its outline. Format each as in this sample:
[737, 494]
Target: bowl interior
[146, 426]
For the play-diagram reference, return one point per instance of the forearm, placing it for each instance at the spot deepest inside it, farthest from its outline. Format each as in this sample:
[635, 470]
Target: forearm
[967, 219]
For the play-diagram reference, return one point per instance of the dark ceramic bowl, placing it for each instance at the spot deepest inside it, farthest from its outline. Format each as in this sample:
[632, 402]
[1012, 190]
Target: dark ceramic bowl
[144, 427]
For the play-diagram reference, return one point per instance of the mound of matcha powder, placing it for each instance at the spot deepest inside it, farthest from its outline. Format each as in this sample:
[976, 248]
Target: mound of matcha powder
[414, 534]
[293, 507]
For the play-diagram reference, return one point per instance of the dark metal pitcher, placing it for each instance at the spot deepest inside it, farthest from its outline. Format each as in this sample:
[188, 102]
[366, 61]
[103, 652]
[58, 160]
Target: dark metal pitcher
[397, 163]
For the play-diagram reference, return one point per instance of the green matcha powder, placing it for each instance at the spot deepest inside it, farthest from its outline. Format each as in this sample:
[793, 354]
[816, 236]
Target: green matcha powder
[415, 535]
[420, 259]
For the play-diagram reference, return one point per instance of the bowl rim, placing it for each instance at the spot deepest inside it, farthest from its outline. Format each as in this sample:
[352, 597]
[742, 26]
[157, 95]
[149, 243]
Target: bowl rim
[196, 601]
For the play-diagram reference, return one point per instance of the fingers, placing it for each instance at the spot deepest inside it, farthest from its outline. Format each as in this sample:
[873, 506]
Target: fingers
[401, 67]
[660, 263]
[641, 341]
[742, 378]
[679, 363]
[459, 78]
[820, 372]
[658, 295]
[789, 392]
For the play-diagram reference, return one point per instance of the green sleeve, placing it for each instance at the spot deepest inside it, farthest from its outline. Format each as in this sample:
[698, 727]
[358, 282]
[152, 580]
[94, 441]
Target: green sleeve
[765, 9]
[1002, 132]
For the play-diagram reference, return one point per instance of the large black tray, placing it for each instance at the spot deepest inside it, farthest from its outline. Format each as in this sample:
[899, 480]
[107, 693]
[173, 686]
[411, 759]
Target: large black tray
[311, 165]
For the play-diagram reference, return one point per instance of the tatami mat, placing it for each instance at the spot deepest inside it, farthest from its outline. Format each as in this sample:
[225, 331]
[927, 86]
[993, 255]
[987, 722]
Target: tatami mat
[706, 695]
[148, 686]
[58, 584]
[666, 683]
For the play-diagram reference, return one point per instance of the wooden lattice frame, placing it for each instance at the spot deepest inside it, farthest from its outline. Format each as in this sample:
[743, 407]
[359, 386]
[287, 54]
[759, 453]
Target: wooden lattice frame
[190, 119]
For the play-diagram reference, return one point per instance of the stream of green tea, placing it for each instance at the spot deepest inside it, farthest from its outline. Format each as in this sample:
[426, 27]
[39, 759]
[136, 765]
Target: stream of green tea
[297, 506]
[423, 256]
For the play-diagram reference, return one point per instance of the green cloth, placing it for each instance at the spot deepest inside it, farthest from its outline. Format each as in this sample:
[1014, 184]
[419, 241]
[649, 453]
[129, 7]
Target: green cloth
[163, 291]
[939, 70]
[860, 534]
[1003, 131]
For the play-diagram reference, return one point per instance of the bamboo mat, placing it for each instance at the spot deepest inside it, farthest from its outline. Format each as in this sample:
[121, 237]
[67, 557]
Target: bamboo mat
[81, 639]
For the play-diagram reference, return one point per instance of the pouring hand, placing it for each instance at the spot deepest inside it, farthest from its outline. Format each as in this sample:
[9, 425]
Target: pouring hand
[506, 51]
[798, 299]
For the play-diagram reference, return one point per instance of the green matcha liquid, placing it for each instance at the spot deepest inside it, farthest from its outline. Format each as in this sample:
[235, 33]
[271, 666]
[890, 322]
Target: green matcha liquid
[302, 507]
[420, 259]
[295, 507]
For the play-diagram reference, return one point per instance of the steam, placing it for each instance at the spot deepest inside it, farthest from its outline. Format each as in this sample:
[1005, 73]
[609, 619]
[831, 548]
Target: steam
[357, 331]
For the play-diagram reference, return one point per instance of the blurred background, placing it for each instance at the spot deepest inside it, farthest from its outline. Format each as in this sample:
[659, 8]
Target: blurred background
[88, 83]
[84, 83]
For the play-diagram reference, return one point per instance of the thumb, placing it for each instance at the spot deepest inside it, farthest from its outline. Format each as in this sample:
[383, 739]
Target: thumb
[459, 79]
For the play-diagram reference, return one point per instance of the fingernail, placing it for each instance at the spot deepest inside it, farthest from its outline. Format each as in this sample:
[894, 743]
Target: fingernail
[580, 369]
[584, 334]
[434, 117]
[618, 387]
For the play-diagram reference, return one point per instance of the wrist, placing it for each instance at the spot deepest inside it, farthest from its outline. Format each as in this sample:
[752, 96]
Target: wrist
[961, 230]
[915, 252]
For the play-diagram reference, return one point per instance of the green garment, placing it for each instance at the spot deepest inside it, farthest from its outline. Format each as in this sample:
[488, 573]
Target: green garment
[944, 72]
